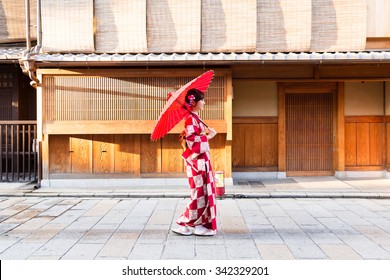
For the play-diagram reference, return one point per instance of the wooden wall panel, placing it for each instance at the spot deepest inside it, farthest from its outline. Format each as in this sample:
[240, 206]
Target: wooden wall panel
[171, 160]
[127, 154]
[150, 155]
[81, 155]
[376, 143]
[365, 143]
[59, 155]
[269, 145]
[218, 153]
[362, 143]
[255, 143]
[387, 145]
[238, 149]
[103, 154]
[350, 144]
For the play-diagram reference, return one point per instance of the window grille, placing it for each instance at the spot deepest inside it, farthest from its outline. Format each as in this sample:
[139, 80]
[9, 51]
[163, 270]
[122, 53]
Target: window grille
[70, 98]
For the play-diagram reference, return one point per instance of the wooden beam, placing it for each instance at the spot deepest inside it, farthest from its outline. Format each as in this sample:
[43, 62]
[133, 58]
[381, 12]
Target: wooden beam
[228, 106]
[377, 43]
[229, 125]
[253, 120]
[364, 119]
[117, 127]
[39, 111]
[340, 155]
[281, 128]
[364, 168]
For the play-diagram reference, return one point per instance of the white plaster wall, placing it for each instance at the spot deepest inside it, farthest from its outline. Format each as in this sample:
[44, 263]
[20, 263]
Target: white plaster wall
[254, 98]
[364, 98]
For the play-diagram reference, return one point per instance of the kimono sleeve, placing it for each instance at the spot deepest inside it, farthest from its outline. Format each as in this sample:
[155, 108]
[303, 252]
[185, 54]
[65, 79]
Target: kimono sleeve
[197, 141]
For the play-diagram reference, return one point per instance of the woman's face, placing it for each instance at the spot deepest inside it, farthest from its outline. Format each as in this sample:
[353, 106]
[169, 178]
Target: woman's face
[199, 105]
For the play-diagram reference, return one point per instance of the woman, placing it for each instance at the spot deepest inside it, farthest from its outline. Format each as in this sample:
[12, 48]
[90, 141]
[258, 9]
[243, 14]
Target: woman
[199, 218]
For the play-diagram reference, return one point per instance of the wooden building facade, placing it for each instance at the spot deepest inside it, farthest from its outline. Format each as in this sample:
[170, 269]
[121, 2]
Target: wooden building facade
[300, 89]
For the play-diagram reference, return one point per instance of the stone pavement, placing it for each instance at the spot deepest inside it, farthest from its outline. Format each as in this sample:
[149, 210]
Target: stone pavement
[295, 218]
[313, 187]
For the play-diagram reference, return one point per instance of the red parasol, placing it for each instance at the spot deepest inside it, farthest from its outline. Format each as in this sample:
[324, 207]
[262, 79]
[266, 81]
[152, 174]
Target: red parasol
[173, 111]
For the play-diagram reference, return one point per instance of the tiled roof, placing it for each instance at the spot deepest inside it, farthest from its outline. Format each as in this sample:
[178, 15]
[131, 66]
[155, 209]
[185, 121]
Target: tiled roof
[220, 57]
[12, 53]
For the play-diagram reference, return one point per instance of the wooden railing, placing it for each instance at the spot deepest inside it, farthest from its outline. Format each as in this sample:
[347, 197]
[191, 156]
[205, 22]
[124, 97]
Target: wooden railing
[18, 155]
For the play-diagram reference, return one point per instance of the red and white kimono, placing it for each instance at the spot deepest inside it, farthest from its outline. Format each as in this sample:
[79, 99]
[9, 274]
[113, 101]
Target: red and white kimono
[201, 210]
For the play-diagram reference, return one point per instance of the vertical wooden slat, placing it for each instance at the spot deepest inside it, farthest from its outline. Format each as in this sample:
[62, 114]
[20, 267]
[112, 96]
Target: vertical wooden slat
[17, 152]
[269, 145]
[238, 147]
[36, 164]
[12, 149]
[376, 137]
[1, 152]
[387, 144]
[362, 143]
[253, 147]
[29, 150]
[23, 151]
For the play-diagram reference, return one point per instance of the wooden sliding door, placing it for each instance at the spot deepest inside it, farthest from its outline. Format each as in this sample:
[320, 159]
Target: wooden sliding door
[309, 132]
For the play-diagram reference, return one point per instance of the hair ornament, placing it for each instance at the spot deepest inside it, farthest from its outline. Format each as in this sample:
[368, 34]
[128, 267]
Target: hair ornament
[190, 99]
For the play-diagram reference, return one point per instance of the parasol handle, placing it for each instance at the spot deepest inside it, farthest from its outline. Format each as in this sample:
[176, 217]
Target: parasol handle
[195, 115]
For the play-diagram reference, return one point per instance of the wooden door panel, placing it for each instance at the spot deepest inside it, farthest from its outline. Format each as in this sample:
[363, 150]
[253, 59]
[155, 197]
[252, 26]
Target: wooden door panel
[253, 152]
[150, 155]
[218, 152]
[103, 154]
[376, 143]
[362, 143]
[59, 156]
[238, 149]
[81, 146]
[309, 132]
[269, 145]
[127, 154]
[350, 144]
[171, 160]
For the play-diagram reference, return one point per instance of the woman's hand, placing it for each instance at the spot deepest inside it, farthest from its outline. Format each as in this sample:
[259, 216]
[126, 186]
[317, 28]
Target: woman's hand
[211, 133]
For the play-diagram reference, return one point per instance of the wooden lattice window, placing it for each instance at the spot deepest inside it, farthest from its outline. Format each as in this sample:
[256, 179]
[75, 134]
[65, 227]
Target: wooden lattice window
[6, 84]
[6, 80]
[86, 98]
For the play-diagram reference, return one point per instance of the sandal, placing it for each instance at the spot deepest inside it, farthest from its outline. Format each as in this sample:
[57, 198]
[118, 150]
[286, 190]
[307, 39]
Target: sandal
[182, 230]
[203, 231]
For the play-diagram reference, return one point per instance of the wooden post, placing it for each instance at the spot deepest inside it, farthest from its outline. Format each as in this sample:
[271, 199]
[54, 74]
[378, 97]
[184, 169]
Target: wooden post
[281, 129]
[229, 123]
[340, 155]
